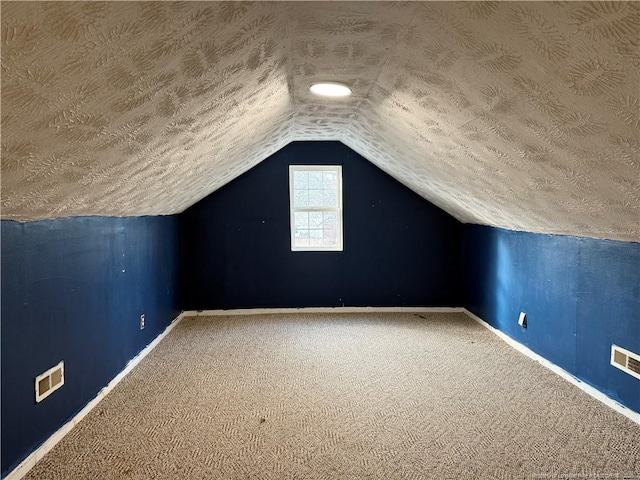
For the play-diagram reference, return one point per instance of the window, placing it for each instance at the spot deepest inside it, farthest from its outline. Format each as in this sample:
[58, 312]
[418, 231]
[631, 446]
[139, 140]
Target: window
[315, 195]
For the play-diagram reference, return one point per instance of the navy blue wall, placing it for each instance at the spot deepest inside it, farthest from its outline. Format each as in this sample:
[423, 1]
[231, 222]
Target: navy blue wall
[73, 289]
[398, 248]
[580, 294]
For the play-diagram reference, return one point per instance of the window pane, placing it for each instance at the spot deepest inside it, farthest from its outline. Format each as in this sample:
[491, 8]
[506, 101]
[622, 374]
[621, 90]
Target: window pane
[329, 198]
[301, 180]
[315, 198]
[330, 224]
[329, 180]
[315, 219]
[300, 198]
[315, 238]
[330, 237]
[330, 219]
[301, 220]
[315, 180]
[302, 238]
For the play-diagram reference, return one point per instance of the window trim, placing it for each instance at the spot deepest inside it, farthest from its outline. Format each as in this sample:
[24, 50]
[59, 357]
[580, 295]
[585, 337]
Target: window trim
[339, 247]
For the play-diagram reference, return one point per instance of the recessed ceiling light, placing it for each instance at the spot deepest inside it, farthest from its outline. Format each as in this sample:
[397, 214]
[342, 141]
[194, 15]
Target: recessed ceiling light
[330, 89]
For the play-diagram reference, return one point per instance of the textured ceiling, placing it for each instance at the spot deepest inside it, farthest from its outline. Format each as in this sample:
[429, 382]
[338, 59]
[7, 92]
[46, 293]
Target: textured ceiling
[519, 115]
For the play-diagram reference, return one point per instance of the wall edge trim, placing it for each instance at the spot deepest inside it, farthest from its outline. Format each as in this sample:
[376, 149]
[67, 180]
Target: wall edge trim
[263, 311]
[34, 457]
[585, 387]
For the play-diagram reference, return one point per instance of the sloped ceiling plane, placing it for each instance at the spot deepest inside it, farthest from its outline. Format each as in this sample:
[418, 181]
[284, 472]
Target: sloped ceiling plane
[518, 115]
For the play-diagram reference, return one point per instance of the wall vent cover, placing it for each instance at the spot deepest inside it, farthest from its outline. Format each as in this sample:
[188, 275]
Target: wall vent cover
[49, 382]
[625, 360]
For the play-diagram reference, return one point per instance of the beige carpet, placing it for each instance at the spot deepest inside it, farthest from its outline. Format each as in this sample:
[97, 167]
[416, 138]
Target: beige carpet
[343, 396]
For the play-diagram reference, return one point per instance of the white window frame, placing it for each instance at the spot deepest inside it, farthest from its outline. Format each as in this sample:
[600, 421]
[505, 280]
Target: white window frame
[292, 210]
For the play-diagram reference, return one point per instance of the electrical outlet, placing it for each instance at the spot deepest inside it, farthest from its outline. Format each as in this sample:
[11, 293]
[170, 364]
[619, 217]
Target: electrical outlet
[522, 320]
[142, 322]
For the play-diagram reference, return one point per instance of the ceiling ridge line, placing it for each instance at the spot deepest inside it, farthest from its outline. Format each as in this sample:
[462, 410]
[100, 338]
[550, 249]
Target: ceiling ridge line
[382, 67]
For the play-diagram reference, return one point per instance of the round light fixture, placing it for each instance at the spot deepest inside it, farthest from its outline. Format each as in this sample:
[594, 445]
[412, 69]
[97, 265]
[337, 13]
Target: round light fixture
[330, 89]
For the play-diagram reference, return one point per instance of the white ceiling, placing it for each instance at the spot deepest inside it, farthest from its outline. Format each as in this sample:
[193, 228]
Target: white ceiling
[518, 115]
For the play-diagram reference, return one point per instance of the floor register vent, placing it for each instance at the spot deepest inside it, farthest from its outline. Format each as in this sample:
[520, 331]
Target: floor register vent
[49, 382]
[625, 360]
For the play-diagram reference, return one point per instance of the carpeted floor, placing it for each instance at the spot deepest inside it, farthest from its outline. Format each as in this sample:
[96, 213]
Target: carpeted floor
[343, 396]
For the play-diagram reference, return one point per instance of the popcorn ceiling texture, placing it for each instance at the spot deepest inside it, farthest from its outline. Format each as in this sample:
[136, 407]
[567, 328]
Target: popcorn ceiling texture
[518, 115]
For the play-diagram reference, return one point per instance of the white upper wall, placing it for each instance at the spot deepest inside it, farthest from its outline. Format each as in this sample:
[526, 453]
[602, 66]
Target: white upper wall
[518, 115]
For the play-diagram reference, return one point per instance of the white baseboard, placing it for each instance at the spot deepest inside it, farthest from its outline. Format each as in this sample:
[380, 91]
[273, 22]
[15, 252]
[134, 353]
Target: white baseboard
[585, 387]
[280, 311]
[28, 463]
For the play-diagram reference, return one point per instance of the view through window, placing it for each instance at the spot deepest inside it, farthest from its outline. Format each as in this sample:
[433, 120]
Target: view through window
[315, 193]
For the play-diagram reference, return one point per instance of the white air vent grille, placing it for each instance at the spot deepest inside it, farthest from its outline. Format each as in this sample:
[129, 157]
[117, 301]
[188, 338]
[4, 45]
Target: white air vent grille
[49, 382]
[625, 360]
[633, 365]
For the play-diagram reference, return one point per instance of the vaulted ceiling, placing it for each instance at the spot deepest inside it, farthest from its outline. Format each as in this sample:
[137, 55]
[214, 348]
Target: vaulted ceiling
[518, 115]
